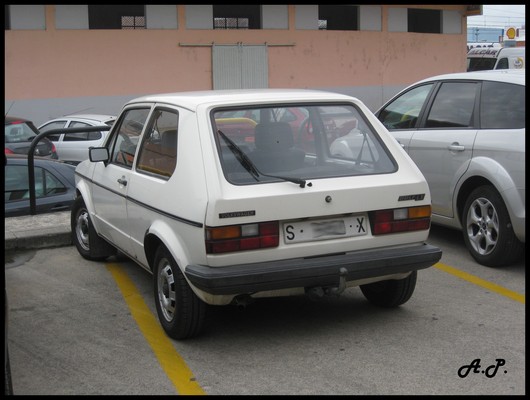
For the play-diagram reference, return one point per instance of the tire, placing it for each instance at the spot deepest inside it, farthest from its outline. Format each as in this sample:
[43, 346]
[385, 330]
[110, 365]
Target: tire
[390, 293]
[180, 311]
[487, 229]
[84, 236]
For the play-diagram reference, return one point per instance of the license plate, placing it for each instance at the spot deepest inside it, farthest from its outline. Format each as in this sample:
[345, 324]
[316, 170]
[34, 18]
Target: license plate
[309, 231]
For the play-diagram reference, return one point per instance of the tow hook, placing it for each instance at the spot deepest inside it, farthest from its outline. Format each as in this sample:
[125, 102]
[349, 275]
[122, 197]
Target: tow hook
[336, 291]
[319, 291]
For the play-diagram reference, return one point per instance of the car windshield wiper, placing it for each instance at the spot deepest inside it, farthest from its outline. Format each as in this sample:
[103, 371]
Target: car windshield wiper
[251, 168]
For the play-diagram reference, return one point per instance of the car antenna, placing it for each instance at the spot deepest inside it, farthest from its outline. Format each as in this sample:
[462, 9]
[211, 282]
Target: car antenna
[9, 109]
[79, 111]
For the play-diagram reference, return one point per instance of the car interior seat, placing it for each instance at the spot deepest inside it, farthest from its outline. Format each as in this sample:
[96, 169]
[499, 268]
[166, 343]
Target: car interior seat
[275, 150]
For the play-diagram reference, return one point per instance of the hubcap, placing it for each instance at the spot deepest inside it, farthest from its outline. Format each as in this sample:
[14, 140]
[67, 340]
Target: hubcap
[166, 290]
[482, 226]
[81, 229]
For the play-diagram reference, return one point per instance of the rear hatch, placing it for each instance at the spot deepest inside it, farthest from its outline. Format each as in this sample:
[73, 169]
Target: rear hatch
[328, 182]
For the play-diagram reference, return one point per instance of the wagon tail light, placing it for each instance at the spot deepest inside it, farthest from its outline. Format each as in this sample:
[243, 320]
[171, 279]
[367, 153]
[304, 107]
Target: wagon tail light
[400, 220]
[233, 238]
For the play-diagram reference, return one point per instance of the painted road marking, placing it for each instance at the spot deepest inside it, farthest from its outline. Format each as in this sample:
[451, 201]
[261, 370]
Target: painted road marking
[172, 363]
[481, 282]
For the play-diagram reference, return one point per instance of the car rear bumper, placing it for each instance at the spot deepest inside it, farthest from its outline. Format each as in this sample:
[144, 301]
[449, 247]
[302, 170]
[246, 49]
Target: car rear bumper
[312, 271]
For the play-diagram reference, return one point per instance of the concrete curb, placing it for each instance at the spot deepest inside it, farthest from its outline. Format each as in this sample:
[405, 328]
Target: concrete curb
[38, 231]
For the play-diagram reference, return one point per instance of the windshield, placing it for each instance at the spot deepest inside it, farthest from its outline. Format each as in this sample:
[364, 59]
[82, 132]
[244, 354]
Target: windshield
[296, 143]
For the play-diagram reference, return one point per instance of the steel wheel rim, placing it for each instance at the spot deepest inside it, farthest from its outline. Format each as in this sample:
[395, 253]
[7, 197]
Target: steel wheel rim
[81, 230]
[482, 224]
[166, 290]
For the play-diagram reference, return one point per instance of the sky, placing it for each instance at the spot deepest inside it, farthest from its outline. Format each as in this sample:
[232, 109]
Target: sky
[499, 16]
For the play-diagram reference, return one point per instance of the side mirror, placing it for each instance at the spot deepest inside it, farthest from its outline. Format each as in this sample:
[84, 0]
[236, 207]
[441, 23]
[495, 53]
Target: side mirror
[96, 154]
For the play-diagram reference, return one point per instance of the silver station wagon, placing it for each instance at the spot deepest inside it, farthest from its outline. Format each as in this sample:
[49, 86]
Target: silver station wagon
[466, 133]
[229, 196]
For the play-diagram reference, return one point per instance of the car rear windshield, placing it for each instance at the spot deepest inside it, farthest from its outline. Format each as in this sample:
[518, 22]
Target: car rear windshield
[264, 144]
[19, 131]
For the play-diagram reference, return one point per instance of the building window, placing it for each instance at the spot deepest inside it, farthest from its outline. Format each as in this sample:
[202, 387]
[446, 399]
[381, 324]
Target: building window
[116, 17]
[338, 18]
[236, 17]
[424, 21]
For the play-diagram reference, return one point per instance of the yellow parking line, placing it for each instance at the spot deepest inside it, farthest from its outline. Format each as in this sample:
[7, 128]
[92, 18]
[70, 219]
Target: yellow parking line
[481, 282]
[171, 362]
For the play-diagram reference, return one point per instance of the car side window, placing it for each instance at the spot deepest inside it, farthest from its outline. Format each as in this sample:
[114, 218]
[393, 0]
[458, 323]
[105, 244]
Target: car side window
[403, 112]
[158, 153]
[53, 125]
[17, 183]
[81, 136]
[127, 135]
[502, 106]
[453, 106]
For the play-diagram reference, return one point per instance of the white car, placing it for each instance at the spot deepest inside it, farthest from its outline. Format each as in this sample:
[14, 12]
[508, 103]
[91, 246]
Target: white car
[466, 133]
[73, 147]
[224, 210]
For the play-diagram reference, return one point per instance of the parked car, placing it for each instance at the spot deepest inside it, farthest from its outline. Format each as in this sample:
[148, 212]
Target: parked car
[220, 223]
[18, 136]
[466, 133]
[73, 147]
[54, 185]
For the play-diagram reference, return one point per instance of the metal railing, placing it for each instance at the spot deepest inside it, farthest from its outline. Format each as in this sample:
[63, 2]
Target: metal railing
[31, 155]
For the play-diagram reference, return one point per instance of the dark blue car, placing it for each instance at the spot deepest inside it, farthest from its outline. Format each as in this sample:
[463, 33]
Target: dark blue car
[54, 185]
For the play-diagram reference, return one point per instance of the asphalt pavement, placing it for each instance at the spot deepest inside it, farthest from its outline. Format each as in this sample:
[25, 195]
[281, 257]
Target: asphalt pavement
[38, 231]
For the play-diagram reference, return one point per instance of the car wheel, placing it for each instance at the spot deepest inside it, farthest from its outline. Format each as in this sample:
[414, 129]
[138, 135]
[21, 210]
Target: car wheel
[84, 236]
[180, 311]
[487, 229]
[392, 292]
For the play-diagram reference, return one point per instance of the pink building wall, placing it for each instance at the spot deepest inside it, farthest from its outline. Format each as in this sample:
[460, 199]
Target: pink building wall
[73, 63]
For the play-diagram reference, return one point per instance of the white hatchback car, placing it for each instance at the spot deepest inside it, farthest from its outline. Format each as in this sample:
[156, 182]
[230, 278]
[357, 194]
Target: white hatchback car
[73, 147]
[466, 133]
[224, 209]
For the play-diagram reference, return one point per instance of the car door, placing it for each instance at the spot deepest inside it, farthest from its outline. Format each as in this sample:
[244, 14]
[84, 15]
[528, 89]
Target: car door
[74, 146]
[110, 181]
[442, 146]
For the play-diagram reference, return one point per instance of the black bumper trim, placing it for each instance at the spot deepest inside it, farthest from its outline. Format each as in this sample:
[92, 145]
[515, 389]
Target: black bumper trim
[309, 272]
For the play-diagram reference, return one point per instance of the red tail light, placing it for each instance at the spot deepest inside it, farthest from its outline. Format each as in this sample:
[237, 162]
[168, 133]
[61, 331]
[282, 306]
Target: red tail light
[400, 220]
[8, 151]
[225, 239]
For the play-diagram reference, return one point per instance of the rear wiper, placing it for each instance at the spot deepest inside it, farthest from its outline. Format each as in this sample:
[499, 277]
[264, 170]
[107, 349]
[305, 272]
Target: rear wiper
[251, 168]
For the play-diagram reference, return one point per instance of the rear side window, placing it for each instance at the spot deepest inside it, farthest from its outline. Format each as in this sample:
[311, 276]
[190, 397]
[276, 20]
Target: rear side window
[158, 154]
[453, 106]
[502, 106]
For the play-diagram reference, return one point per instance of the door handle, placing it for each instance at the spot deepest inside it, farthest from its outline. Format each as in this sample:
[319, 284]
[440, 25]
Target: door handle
[456, 147]
[122, 181]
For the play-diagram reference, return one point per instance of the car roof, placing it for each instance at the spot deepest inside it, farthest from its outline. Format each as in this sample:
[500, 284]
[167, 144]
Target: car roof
[92, 117]
[499, 75]
[193, 99]
[11, 119]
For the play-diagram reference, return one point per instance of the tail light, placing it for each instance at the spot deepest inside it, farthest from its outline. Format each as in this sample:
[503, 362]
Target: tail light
[400, 220]
[8, 151]
[232, 238]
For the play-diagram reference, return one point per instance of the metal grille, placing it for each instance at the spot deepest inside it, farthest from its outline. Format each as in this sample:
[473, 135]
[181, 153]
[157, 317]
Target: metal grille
[230, 23]
[129, 22]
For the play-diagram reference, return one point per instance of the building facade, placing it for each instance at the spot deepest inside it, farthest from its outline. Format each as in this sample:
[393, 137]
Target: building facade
[63, 59]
